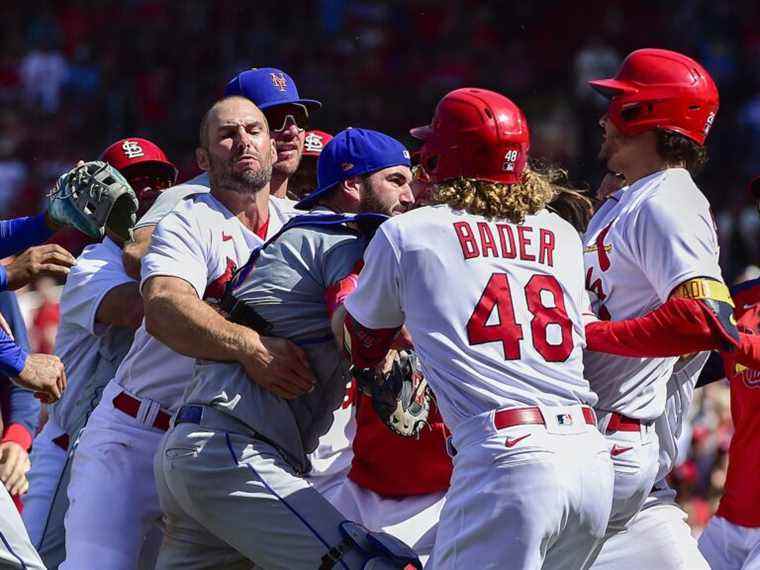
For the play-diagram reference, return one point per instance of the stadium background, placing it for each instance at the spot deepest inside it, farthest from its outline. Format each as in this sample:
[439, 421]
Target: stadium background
[79, 74]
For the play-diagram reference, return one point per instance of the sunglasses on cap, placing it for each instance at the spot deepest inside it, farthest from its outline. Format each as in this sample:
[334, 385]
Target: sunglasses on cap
[278, 116]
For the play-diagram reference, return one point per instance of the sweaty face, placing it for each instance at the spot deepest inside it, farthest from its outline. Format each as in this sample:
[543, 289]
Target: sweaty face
[240, 151]
[289, 144]
[387, 191]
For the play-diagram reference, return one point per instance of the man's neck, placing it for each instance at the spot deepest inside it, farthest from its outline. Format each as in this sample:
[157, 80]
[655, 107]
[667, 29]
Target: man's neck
[279, 185]
[252, 209]
[643, 168]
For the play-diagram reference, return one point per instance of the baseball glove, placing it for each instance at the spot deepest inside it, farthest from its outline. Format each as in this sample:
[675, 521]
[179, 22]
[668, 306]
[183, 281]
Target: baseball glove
[400, 394]
[92, 197]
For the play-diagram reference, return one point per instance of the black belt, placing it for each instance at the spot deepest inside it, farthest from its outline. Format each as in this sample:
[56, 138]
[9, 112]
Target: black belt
[245, 315]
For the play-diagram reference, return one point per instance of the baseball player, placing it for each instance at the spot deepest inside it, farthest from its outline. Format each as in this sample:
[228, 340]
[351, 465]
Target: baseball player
[732, 537]
[230, 471]
[276, 94]
[100, 309]
[304, 180]
[193, 253]
[488, 283]
[41, 373]
[651, 244]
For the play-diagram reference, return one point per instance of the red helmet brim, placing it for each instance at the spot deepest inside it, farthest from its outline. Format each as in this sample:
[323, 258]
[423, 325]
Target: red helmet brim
[612, 87]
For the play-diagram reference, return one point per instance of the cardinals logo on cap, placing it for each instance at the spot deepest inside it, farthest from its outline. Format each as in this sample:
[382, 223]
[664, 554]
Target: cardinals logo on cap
[279, 81]
[313, 143]
[132, 149]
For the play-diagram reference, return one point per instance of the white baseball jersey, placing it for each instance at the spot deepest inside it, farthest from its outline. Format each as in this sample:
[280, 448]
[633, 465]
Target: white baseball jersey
[495, 308]
[202, 242]
[643, 242]
[81, 342]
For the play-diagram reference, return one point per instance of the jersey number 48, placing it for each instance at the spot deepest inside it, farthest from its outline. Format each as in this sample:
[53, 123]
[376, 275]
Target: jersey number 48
[508, 331]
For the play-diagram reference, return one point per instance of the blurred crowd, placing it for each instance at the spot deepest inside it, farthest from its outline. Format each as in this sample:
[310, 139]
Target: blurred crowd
[77, 75]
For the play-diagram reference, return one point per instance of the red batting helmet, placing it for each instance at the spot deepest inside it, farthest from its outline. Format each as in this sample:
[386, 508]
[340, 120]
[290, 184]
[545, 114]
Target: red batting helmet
[475, 133]
[661, 89]
[126, 154]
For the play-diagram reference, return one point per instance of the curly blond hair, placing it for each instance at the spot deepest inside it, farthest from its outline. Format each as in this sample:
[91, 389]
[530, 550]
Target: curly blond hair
[538, 188]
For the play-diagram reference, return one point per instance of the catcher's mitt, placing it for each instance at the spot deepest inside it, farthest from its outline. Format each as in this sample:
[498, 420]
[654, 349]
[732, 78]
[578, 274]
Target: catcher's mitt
[400, 396]
[92, 197]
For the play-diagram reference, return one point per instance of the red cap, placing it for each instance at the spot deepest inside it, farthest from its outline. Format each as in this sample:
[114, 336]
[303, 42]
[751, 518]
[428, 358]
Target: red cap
[314, 142]
[477, 134]
[125, 154]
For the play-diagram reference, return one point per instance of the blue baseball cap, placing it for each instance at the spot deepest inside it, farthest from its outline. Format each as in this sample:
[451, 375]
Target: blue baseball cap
[267, 87]
[354, 152]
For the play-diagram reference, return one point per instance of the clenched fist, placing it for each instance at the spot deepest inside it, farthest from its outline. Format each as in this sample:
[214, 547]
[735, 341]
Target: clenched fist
[49, 259]
[44, 375]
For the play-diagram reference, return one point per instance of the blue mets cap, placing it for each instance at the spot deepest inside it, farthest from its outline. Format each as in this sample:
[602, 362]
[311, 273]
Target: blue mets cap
[354, 152]
[267, 87]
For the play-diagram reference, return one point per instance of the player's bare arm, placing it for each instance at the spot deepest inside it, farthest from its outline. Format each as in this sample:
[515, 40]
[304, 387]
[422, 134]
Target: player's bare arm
[43, 374]
[136, 249]
[177, 317]
[122, 306]
[45, 260]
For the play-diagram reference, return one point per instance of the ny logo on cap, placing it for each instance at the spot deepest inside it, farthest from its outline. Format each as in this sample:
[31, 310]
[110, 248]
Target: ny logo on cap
[279, 81]
[132, 149]
[313, 143]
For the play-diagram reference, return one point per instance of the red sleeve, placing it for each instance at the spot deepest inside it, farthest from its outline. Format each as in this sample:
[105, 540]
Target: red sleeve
[18, 434]
[679, 326]
[368, 346]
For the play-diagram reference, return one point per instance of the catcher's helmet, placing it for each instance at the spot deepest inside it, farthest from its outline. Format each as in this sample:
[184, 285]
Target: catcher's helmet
[126, 155]
[475, 133]
[661, 89]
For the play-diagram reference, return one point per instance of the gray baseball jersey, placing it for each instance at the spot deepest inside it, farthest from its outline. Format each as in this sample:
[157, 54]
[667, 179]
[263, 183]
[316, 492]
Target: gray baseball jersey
[287, 289]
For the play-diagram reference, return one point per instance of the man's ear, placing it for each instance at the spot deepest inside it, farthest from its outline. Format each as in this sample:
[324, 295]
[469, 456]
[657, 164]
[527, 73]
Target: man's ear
[352, 187]
[273, 151]
[201, 157]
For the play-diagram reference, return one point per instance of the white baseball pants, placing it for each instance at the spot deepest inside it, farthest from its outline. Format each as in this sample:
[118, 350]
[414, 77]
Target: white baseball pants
[526, 496]
[113, 514]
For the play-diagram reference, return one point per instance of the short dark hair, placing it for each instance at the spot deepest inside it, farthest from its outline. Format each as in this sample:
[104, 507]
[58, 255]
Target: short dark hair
[203, 129]
[678, 150]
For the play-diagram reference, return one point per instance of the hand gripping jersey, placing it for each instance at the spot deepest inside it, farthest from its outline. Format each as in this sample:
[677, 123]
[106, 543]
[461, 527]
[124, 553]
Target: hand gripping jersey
[643, 242]
[741, 496]
[202, 242]
[90, 351]
[281, 292]
[494, 308]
